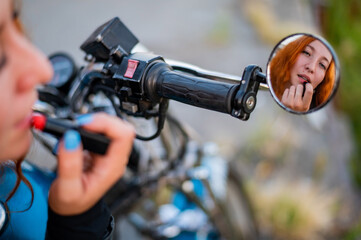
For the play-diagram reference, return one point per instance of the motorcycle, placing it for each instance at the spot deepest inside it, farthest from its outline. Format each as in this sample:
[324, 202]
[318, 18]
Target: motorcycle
[204, 195]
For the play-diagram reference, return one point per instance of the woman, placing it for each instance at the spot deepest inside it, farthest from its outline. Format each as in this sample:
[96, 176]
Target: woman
[303, 73]
[74, 206]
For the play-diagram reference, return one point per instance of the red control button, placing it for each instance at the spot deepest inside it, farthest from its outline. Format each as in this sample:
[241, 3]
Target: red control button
[132, 66]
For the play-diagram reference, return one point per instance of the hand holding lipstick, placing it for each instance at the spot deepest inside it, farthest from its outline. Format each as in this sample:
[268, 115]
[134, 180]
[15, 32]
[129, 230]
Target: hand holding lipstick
[76, 188]
[93, 142]
[298, 98]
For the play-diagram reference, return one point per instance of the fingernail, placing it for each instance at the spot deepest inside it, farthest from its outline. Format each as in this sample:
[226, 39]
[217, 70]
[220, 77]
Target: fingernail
[84, 119]
[71, 140]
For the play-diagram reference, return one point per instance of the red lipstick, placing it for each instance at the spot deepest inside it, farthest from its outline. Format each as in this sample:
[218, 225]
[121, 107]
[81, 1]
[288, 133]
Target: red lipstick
[93, 142]
[304, 78]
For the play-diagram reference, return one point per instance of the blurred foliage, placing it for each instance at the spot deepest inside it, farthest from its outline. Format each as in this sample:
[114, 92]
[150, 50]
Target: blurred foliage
[269, 26]
[354, 232]
[293, 210]
[285, 180]
[341, 23]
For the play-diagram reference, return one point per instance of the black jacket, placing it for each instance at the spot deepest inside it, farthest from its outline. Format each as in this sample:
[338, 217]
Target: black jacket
[96, 223]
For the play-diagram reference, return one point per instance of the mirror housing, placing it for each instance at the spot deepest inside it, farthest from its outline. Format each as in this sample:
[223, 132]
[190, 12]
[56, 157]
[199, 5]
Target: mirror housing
[303, 73]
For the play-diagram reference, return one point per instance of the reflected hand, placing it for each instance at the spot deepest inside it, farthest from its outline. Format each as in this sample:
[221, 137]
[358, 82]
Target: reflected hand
[78, 187]
[293, 99]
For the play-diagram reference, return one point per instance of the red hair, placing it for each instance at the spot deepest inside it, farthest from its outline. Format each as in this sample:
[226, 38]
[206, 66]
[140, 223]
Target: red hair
[16, 167]
[283, 61]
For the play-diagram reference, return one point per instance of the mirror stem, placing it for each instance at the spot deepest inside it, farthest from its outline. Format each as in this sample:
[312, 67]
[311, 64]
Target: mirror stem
[261, 77]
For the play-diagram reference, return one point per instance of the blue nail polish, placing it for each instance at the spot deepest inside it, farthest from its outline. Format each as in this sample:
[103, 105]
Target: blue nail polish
[84, 119]
[71, 140]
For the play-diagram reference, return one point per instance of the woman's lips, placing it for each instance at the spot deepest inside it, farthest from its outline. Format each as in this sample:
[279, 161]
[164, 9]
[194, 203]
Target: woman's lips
[24, 123]
[304, 78]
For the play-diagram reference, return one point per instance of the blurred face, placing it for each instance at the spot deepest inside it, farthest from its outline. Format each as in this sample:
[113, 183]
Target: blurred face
[22, 67]
[311, 65]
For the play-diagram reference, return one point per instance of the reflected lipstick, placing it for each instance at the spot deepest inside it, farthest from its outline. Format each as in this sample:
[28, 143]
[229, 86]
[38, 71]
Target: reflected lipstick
[93, 142]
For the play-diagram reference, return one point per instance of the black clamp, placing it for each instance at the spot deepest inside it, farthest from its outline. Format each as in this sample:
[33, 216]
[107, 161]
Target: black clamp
[246, 97]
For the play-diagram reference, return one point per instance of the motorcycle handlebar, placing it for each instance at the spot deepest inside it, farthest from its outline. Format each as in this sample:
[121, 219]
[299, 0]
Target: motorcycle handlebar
[162, 81]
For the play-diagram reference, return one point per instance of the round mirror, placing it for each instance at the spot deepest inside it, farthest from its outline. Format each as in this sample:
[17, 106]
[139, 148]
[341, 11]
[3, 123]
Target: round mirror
[303, 73]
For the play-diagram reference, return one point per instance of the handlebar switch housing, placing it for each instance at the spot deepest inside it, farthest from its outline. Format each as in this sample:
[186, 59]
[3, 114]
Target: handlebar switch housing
[122, 72]
[128, 77]
[112, 38]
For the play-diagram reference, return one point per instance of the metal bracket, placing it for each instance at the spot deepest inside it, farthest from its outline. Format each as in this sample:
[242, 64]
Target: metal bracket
[246, 97]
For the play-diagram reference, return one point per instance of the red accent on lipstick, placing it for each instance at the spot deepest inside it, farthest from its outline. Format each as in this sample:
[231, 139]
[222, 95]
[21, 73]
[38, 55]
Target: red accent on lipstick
[38, 121]
[94, 142]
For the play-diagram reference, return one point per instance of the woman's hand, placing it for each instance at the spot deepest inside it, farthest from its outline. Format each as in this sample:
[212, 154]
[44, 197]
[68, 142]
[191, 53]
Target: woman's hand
[78, 185]
[293, 99]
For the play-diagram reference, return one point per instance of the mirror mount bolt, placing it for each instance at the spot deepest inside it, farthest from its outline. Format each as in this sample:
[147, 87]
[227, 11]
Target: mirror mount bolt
[250, 102]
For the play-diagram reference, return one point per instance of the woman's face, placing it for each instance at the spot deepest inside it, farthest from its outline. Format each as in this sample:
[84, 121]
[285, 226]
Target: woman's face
[22, 67]
[311, 65]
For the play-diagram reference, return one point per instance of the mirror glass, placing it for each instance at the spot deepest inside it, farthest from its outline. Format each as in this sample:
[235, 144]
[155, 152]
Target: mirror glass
[303, 73]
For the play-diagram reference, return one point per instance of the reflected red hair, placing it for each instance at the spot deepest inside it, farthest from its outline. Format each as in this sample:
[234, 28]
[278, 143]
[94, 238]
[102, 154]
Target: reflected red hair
[283, 61]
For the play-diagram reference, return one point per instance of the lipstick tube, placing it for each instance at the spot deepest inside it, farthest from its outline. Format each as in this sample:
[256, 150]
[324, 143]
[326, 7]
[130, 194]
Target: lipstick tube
[93, 142]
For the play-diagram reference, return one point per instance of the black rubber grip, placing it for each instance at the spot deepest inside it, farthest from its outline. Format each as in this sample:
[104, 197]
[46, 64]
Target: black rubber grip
[196, 91]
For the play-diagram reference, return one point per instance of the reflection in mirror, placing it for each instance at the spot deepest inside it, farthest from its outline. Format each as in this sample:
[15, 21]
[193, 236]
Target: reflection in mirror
[302, 73]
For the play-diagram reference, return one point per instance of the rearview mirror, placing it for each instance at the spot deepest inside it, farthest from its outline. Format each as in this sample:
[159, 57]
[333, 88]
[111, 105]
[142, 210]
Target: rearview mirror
[303, 73]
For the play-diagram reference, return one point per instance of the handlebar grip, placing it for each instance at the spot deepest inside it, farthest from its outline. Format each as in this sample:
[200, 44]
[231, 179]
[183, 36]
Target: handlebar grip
[162, 81]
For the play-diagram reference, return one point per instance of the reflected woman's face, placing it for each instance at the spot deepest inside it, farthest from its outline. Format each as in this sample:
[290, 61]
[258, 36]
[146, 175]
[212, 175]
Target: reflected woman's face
[311, 65]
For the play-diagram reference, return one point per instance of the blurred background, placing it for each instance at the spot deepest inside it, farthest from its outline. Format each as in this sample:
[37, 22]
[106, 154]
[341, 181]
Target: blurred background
[303, 173]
